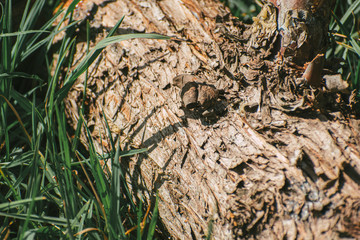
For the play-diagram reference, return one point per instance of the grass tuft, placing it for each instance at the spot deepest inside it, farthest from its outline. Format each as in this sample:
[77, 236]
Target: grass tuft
[50, 187]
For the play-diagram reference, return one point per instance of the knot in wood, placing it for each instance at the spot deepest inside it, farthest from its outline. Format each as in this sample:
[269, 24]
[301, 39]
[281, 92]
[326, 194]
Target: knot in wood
[195, 92]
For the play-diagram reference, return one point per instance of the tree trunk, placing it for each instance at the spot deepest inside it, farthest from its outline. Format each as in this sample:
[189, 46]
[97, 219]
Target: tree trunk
[270, 158]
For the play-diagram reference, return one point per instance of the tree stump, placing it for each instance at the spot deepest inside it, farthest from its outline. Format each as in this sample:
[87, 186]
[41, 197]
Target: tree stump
[275, 159]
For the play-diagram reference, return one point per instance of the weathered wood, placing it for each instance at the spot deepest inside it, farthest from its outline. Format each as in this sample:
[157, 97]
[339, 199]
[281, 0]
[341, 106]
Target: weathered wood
[256, 171]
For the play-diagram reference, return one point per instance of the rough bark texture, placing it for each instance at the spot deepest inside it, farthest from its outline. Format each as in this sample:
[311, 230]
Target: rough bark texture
[278, 160]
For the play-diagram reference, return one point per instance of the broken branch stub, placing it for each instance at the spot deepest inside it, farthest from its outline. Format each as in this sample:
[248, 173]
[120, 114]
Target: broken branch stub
[303, 27]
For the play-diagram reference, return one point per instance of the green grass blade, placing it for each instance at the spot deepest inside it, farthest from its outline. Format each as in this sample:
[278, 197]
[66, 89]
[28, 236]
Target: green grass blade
[66, 179]
[5, 66]
[14, 204]
[139, 215]
[94, 53]
[32, 192]
[354, 44]
[116, 195]
[98, 173]
[210, 229]
[6, 41]
[20, 75]
[352, 8]
[34, 46]
[356, 81]
[83, 66]
[44, 219]
[153, 221]
[50, 94]
[133, 152]
[23, 33]
[28, 21]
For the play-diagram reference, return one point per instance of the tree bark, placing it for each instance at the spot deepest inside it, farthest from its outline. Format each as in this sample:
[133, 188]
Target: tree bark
[276, 159]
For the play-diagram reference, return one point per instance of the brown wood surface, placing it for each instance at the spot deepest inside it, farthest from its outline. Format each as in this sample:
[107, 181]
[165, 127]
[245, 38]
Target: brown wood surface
[270, 165]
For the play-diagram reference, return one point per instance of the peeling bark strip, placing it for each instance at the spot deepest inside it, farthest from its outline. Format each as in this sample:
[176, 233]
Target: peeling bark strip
[265, 169]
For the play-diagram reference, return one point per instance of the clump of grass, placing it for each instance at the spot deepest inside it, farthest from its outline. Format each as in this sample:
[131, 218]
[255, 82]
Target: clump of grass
[344, 30]
[49, 186]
